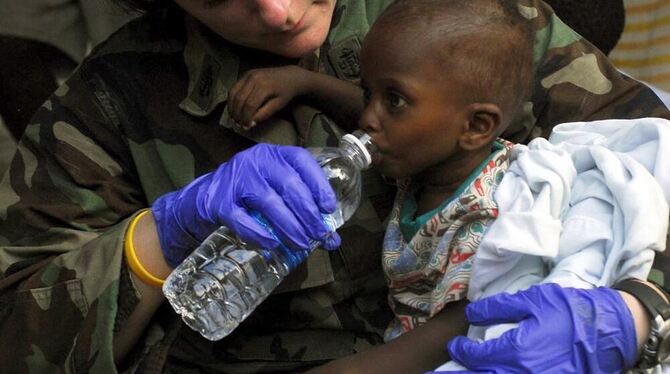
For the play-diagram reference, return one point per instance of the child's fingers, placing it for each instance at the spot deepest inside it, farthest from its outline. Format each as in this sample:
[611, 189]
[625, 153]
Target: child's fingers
[256, 99]
[239, 98]
[233, 93]
[268, 109]
[240, 102]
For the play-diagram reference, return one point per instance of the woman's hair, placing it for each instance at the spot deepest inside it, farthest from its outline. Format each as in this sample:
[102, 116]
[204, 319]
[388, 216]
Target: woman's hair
[600, 22]
[142, 5]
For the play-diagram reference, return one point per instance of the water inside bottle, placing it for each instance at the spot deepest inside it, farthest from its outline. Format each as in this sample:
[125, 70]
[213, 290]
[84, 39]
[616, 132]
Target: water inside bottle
[225, 279]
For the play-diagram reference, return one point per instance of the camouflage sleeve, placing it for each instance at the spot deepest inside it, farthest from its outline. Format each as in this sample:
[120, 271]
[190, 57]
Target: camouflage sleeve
[64, 206]
[574, 81]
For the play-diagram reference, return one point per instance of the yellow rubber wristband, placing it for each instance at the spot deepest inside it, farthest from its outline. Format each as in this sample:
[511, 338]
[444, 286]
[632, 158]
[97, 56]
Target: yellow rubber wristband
[131, 257]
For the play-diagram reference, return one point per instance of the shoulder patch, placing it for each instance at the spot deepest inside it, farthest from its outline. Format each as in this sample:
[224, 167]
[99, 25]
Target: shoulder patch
[345, 58]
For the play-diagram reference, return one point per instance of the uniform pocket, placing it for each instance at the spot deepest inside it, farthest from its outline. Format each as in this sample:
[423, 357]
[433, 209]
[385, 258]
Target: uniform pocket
[40, 326]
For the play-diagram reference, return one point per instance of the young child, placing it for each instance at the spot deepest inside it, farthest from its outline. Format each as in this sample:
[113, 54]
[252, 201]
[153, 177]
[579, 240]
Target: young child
[441, 80]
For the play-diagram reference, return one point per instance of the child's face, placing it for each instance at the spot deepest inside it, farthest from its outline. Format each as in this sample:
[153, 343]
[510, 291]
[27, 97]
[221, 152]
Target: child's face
[413, 111]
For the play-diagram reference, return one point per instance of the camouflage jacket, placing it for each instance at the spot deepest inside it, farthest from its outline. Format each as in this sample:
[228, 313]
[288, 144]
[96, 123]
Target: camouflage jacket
[146, 114]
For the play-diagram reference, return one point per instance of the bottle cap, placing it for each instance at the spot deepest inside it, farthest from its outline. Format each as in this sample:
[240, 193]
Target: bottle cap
[361, 142]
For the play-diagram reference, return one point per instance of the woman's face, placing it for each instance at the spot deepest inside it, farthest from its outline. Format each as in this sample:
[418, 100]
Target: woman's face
[290, 28]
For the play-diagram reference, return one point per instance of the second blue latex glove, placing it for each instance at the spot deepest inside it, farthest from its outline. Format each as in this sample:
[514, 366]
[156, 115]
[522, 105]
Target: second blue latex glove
[283, 183]
[561, 330]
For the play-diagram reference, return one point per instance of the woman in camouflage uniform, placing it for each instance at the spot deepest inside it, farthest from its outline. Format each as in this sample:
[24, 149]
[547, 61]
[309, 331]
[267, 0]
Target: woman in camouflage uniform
[146, 114]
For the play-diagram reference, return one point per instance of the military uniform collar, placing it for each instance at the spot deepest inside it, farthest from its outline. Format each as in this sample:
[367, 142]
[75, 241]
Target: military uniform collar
[212, 70]
[214, 66]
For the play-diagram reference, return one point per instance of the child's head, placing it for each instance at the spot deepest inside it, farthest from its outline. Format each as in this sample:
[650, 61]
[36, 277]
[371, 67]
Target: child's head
[442, 80]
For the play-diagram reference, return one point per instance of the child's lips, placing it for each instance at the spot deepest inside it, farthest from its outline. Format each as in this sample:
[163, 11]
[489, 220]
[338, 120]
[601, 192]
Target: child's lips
[377, 159]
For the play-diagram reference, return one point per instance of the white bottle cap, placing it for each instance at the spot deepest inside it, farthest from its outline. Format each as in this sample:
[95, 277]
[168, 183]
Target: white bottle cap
[360, 143]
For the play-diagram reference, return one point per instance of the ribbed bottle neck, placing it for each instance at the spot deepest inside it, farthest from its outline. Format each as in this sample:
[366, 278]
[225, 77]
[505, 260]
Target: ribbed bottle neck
[358, 147]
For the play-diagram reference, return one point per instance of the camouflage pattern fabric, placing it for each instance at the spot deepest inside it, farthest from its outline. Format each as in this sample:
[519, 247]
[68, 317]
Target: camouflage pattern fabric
[144, 115]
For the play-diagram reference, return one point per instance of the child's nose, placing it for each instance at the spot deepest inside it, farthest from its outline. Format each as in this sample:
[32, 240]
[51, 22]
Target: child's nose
[369, 121]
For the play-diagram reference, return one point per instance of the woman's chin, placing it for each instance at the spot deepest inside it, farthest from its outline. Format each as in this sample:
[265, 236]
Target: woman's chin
[300, 46]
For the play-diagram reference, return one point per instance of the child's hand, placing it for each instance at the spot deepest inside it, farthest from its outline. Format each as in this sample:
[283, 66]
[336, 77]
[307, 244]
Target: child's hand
[261, 93]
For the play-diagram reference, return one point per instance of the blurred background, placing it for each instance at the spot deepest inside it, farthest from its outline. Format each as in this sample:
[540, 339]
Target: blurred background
[643, 51]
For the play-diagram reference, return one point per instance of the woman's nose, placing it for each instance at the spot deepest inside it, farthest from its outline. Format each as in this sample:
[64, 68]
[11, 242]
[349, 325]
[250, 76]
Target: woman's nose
[274, 13]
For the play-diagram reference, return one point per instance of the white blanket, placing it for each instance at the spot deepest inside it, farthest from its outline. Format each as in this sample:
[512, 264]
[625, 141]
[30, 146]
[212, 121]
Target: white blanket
[586, 208]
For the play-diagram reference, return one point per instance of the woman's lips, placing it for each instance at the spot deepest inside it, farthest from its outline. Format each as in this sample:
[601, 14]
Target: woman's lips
[299, 26]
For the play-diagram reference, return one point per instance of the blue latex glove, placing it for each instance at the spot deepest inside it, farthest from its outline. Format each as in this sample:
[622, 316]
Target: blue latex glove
[561, 330]
[283, 183]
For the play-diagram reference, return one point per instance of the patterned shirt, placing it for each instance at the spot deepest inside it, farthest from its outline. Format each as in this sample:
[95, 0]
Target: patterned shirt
[432, 267]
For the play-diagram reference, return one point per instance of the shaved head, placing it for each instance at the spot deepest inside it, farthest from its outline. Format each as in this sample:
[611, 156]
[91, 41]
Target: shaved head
[485, 44]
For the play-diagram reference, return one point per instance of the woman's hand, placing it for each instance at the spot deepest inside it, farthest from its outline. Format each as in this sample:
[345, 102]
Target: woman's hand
[261, 93]
[283, 183]
[560, 330]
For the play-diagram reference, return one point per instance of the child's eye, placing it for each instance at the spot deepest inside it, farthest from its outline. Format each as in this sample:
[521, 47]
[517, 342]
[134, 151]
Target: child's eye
[366, 95]
[209, 4]
[396, 101]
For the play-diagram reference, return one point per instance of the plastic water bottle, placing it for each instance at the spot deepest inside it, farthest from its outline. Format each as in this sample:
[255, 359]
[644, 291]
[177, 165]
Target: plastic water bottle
[225, 279]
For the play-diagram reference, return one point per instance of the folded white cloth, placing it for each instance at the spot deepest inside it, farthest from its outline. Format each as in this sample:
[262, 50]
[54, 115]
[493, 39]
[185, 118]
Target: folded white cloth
[586, 208]
[590, 205]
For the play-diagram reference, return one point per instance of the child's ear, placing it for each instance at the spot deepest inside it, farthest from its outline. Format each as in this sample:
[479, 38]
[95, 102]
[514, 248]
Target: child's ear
[481, 127]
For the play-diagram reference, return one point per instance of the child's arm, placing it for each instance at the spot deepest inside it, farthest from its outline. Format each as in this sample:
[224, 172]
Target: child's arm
[419, 350]
[261, 93]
